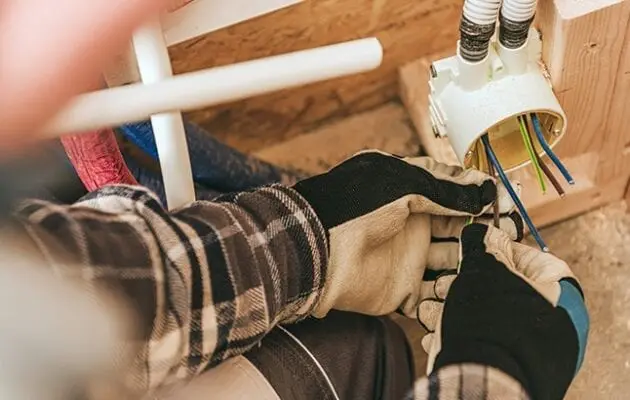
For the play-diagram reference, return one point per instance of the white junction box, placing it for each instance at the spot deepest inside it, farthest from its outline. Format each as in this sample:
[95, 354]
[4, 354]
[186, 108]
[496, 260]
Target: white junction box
[467, 100]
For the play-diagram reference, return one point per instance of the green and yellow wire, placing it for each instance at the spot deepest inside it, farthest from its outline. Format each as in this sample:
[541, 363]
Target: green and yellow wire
[532, 155]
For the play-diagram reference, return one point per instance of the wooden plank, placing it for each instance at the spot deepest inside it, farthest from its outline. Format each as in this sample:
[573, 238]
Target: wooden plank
[200, 17]
[386, 128]
[582, 46]
[580, 202]
[615, 160]
[407, 30]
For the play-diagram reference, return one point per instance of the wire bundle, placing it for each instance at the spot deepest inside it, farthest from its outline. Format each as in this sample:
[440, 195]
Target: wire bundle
[539, 166]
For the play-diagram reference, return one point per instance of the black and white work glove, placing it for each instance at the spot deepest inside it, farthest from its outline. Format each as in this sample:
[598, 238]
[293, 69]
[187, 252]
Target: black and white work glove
[389, 220]
[511, 307]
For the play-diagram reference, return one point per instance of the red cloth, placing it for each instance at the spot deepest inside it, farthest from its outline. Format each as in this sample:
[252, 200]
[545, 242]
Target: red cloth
[97, 159]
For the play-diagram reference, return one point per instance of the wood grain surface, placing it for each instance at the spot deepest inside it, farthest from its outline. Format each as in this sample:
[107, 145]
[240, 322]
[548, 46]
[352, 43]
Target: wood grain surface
[407, 30]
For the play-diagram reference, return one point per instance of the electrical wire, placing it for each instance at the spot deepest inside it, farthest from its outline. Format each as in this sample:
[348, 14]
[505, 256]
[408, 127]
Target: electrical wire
[544, 166]
[495, 207]
[521, 208]
[547, 149]
[532, 153]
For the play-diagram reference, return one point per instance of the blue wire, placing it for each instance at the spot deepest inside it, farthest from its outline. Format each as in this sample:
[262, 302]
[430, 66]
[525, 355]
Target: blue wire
[550, 153]
[521, 208]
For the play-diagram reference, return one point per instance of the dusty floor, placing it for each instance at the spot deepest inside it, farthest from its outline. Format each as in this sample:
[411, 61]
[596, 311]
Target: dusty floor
[597, 246]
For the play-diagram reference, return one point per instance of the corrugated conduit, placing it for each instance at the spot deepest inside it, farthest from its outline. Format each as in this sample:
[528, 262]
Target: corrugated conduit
[477, 27]
[516, 18]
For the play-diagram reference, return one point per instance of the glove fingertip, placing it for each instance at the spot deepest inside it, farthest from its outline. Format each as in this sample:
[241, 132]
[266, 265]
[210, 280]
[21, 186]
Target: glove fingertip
[519, 225]
[488, 192]
[472, 239]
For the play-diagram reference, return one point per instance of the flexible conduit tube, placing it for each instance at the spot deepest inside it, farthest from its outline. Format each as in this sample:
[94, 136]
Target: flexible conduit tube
[477, 27]
[515, 19]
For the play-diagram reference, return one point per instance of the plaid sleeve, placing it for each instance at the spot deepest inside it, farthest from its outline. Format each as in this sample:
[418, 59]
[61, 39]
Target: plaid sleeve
[204, 283]
[468, 382]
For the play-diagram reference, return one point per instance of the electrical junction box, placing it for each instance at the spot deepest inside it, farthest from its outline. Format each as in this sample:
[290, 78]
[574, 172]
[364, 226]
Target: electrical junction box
[467, 100]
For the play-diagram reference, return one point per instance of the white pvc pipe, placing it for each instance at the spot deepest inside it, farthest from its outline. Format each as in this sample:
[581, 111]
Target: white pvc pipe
[117, 106]
[154, 65]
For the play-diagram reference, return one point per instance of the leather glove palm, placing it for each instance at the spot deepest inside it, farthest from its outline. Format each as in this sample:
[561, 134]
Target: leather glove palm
[388, 219]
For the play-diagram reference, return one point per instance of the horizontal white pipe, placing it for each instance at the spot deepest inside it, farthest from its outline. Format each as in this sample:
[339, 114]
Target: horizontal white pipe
[117, 106]
[154, 65]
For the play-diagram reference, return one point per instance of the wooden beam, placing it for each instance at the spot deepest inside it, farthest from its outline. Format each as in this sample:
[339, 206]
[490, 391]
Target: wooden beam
[616, 145]
[582, 45]
[557, 209]
[407, 30]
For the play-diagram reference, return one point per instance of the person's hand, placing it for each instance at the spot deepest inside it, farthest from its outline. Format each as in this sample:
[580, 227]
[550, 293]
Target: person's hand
[389, 220]
[511, 307]
[51, 50]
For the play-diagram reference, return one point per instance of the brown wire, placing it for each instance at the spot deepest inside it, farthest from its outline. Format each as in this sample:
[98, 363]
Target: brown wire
[543, 166]
[495, 207]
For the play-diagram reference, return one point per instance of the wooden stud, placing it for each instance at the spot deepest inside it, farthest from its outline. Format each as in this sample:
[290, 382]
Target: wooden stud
[582, 46]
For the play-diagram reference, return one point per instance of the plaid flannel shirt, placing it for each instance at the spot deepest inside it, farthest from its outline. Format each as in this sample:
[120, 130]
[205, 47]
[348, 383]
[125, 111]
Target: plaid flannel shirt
[207, 282]
[204, 283]
[469, 382]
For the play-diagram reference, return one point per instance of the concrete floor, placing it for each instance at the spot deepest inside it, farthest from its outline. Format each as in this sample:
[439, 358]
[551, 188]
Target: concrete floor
[597, 247]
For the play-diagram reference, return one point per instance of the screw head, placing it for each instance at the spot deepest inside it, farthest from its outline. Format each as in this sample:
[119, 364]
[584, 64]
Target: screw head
[433, 71]
[556, 132]
[469, 154]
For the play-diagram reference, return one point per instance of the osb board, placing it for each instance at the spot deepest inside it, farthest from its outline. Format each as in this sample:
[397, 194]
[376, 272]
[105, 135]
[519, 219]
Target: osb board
[386, 128]
[407, 30]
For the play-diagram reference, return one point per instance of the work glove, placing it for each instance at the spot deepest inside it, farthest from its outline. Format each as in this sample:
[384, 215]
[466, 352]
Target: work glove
[511, 307]
[388, 219]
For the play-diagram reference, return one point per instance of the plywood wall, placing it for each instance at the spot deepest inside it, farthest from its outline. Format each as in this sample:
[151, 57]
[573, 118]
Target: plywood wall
[408, 29]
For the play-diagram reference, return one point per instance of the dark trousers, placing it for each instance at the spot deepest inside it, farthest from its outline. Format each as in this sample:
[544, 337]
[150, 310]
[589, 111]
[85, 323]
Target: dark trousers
[343, 356]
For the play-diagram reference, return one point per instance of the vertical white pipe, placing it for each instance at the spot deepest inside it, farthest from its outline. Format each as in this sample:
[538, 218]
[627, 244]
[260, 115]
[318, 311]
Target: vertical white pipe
[154, 65]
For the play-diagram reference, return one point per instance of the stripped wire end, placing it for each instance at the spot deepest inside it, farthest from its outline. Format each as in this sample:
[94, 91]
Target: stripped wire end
[492, 158]
[545, 169]
[554, 158]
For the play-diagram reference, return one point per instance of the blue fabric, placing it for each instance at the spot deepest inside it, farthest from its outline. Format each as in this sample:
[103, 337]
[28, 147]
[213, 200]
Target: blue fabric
[572, 301]
[214, 164]
[153, 181]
